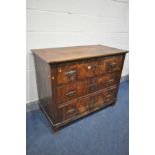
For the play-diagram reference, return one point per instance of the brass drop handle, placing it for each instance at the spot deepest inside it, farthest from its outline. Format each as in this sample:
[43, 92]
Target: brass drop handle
[71, 93]
[70, 73]
[71, 110]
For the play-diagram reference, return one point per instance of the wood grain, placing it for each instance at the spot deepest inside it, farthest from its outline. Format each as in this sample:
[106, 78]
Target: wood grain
[55, 55]
[75, 81]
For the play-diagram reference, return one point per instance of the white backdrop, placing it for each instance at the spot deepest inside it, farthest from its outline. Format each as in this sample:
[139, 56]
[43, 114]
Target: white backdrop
[57, 23]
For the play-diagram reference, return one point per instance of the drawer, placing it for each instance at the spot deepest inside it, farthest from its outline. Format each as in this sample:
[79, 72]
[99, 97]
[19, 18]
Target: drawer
[67, 72]
[103, 98]
[102, 82]
[74, 109]
[71, 72]
[87, 104]
[71, 91]
[68, 92]
[111, 64]
[77, 71]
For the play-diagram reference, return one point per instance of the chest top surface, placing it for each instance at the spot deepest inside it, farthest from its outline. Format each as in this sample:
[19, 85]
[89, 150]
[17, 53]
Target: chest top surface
[64, 54]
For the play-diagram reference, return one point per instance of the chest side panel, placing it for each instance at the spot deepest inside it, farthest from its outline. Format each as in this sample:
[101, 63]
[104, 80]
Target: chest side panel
[44, 86]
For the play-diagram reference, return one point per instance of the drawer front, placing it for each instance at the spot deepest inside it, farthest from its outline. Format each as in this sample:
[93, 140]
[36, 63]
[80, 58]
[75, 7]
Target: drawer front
[112, 64]
[87, 104]
[71, 72]
[103, 98]
[67, 73]
[73, 109]
[76, 71]
[73, 90]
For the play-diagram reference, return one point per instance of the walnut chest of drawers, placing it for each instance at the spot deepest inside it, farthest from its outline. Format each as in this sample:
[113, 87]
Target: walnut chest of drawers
[73, 82]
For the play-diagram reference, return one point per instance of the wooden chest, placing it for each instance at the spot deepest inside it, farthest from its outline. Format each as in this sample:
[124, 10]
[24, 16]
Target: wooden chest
[76, 81]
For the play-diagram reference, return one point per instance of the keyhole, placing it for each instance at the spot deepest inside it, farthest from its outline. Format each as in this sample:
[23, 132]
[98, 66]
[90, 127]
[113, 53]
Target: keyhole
[89, 67]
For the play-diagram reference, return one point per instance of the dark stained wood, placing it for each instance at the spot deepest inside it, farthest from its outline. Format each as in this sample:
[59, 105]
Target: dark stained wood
[79, 106]
[44, 84]
[53, 104]
[77, 89]
[75, 81]
[81, 70]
